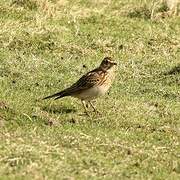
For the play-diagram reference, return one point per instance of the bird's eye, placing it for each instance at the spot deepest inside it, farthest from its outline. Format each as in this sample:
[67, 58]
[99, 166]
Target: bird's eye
[106, 62]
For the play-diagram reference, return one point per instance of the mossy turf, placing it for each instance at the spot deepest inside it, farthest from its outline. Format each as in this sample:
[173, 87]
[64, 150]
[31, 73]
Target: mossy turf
[47, 45]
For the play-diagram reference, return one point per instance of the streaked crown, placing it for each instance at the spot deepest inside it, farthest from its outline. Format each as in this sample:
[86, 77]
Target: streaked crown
[107, 63]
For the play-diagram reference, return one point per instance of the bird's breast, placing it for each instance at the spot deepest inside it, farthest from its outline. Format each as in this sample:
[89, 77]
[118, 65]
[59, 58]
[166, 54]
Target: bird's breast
[98, 90]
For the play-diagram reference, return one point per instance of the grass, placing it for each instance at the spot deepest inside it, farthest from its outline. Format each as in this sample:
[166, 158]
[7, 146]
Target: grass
[47, 45]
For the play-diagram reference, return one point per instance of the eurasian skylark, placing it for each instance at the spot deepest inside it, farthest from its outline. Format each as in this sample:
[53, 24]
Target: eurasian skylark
[92, 85]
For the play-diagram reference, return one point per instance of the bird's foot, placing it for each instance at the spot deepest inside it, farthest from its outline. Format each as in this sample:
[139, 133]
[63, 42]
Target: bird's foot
[98, 112]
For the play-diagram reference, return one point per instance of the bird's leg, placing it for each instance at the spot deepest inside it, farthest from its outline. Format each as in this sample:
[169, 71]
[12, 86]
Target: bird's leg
[85, 107]
[92, 105]
[95, 110]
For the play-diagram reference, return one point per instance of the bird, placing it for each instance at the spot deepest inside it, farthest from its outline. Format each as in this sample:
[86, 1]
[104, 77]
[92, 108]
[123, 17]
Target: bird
[91, 85]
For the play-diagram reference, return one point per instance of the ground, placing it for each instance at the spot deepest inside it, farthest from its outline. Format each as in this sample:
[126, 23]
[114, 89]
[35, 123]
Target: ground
[47, 45]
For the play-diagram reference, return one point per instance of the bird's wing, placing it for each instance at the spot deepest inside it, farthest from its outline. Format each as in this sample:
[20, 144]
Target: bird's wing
[91, 79]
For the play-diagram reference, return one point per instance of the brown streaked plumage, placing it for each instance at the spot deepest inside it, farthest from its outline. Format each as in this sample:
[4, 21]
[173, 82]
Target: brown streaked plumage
[92, 85]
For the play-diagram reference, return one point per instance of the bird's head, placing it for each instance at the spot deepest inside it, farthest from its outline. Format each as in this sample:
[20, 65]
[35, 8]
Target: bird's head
[107, 63]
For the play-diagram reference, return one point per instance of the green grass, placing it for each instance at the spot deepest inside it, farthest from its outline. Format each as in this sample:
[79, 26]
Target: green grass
[44, 47]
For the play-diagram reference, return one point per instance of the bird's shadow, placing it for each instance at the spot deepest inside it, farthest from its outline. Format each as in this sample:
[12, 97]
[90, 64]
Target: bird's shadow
[58, 109]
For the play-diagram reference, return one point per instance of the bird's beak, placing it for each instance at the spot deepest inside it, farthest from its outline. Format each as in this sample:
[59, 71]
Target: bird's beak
[114, 63]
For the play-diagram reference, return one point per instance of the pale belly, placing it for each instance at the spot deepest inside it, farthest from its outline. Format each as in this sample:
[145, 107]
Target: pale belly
[92, 93]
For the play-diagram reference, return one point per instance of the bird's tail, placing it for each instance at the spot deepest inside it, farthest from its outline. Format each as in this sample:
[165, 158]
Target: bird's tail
[57, 95]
